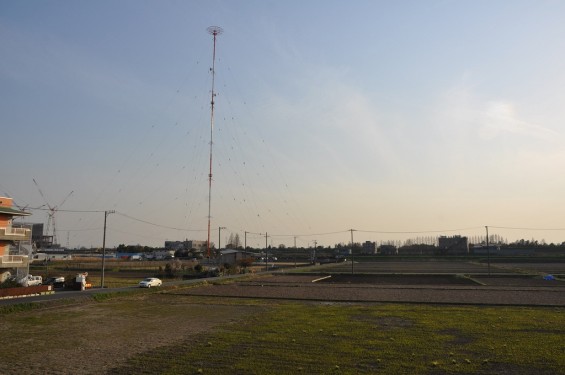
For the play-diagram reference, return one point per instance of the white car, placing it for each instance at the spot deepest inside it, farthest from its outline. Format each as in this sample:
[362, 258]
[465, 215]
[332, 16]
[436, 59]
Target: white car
[30, 280]
[149, 282]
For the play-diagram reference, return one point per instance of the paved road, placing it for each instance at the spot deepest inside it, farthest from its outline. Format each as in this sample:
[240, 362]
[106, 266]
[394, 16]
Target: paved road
[62, 294]
[58, 294]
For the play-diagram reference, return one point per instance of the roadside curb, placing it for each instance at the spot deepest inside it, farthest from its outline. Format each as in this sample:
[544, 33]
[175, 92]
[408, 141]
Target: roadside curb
[29, 295]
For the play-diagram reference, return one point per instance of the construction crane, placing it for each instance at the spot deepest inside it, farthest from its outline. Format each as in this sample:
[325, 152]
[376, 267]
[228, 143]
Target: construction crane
[51, 212]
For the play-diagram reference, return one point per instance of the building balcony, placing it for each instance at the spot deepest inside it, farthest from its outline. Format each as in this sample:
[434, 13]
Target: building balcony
[14, 261]
[15, 234]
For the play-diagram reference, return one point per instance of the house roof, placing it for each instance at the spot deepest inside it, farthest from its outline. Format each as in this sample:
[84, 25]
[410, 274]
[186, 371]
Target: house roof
[233, 251]
[12, 212]
[229, 251]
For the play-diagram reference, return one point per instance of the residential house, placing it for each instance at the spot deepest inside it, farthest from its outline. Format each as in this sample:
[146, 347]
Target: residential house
[9, 236]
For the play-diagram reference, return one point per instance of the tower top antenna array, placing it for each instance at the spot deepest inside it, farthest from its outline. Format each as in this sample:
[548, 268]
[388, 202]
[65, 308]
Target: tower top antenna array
[215, 31]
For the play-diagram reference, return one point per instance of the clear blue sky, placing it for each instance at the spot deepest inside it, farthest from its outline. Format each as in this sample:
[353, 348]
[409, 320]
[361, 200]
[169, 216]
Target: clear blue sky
[381, 116]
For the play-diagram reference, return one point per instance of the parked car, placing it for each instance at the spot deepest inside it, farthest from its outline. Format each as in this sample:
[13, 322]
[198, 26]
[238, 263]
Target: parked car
[30, 280]
[149, 282]
[57, 282]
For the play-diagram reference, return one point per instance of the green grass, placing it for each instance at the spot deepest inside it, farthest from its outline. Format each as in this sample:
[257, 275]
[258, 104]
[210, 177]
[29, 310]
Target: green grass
[366, 339]
[20, 307]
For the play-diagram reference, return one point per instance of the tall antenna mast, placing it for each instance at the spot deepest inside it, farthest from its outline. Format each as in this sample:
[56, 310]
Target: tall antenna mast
[215, 31]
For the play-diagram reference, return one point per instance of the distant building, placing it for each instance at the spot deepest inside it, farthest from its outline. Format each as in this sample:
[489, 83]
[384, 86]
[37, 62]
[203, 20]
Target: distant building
[175, 245]
[130, 256]
[455, 245]
[388, 250]
[483, 249]
[10, 236]
[233, 257]
[185, 245]
[40, 240]
[196, 245]
[369, 248]
[163, 254]
[49, 256]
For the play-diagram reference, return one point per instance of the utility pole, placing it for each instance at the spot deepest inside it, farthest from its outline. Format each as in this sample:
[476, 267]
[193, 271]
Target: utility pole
[215, 31]
[266, 253]
[352, 230]
[106, 213]
[294, 251]
[220, 237]
[488, 251]
[245, 241]
[315, 246]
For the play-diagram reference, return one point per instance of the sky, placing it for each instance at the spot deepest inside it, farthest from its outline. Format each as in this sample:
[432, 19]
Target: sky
[397, 119]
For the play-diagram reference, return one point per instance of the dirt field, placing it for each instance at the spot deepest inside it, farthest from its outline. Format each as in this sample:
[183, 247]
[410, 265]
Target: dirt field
[441, 282]
[395, 288]
[449, 267]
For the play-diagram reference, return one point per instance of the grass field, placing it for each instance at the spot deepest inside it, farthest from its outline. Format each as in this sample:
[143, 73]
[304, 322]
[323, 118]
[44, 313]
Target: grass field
[167, 331]
[353, 339]
[266, 337]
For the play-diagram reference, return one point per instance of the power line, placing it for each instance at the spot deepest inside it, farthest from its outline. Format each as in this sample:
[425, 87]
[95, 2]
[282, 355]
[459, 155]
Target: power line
[308, 235]
[58, 210]
[152, 237]
[420, 232]
[158, 225]
[537, 229]
[289, 235]
[41, 208]
[80, 230]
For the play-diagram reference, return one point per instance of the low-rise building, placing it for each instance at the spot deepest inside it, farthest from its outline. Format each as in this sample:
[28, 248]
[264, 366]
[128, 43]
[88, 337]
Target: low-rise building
[9, 236]
[233, 257]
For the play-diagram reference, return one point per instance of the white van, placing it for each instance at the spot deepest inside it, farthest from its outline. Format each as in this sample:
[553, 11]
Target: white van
[30, 280]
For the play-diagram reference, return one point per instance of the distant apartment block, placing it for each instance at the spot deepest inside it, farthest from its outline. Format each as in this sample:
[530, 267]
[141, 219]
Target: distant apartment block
[454, 245]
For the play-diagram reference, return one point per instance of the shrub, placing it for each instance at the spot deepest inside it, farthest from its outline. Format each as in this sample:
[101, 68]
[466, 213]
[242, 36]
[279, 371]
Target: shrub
[247, 262]
[9, 283]
[70, 281]
[172, 268]
[169, 272]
